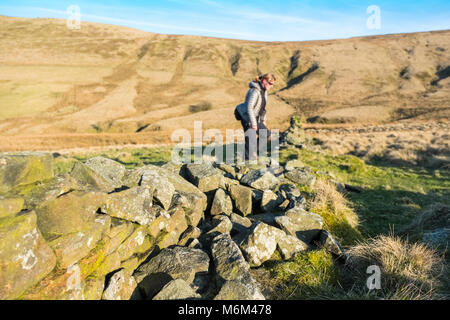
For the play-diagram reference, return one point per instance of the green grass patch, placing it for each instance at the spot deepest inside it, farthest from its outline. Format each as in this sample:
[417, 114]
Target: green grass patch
[392, 196]
[310, 275]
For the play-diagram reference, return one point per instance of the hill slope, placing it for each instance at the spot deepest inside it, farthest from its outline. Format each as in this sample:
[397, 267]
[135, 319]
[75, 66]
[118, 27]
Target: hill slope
[105, 78]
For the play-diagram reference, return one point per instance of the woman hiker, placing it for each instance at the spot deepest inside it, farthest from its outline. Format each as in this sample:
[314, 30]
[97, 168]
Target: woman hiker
[252, 114]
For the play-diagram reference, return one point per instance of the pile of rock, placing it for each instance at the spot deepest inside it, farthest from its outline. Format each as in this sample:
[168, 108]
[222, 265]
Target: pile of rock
[294, 135]
[96, 230]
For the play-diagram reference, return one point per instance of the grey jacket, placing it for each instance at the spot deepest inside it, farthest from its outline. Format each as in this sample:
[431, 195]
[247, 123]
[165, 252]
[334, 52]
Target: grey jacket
[253, 110]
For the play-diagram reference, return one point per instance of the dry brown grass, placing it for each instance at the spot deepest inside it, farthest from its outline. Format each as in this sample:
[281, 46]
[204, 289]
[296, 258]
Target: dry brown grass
[424, 143]
[82, 141]
[408, 271]
[335, 209]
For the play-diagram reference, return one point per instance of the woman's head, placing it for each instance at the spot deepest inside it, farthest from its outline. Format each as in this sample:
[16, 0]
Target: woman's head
[267, 80]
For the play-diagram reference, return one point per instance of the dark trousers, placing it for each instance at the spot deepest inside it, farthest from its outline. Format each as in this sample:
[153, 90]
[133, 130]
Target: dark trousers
[256, 142]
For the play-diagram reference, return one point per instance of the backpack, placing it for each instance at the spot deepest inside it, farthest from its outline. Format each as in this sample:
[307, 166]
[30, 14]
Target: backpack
[238, 110]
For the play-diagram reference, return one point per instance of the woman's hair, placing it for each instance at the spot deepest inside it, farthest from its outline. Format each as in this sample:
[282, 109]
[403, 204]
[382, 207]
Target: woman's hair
[268, 76]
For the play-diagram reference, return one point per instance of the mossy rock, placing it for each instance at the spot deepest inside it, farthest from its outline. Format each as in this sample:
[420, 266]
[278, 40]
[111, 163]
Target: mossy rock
[139, 241]
[39, 192]
[242, 198]
[18, 169]
[69, 213]
[91, 180]
[60, 285]
[71, 248]
[132, 204]
[10, 206]
[110, 170]
[25, 257]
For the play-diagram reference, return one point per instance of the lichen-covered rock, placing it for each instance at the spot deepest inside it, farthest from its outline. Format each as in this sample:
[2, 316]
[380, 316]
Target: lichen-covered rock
[195, 244]
[260, 244]
[137, 242]
[222, 203]
[240, 223]
[160, 222]
[109, 264]
[289, 245]
[25, 257]
[300, 223]
[302, 176]
[133, 204]
[93, 260]
[112, 171]
[295, 135]
[93, 288]
[190, 234]
[242, 289]
[293, 164]
[268, 218]
[178, 262]
[24, 168]
[289, 191]
[88, 179]
[70, 248]
[270, 200]
[192, 204]
[176, 168]
[120, 287]
[164, 190]
[37, 193]
[228, 169]
[167, 239]
[174, 227]
[228, 259]
[177, 289]
[221, 223]
[177, 220]
[131, 264]
[260, 179]
[204, 176]
[69, 213]
[66, 284]
[133, 178]
[242, 199]
[10, 206]
[119, 231]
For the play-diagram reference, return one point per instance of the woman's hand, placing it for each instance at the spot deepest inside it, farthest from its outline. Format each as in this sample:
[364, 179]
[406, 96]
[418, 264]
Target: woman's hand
[255, 128]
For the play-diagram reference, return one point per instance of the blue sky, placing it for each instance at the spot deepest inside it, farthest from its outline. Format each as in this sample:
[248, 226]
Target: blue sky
[252, 20]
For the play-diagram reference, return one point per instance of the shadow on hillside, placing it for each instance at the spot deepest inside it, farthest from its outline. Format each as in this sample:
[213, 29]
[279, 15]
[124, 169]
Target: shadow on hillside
[385, 211]
[300, 78]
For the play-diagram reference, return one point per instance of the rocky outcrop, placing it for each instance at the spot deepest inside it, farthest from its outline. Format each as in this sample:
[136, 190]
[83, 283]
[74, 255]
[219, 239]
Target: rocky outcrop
[96, 230]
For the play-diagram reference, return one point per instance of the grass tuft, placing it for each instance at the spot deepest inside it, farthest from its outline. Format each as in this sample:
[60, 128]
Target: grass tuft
[335, 209]
[408, 270]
